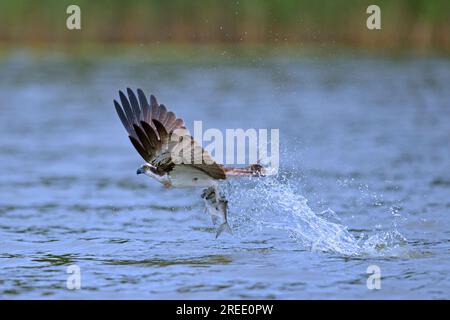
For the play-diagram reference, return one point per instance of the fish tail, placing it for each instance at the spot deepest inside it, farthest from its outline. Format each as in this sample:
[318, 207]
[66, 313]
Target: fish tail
[223, 227]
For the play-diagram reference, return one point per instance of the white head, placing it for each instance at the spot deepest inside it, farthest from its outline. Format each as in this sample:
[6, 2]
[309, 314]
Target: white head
[148, 170]
[151, 171]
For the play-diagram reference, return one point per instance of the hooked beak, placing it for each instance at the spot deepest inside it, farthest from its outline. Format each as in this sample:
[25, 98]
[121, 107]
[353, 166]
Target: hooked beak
[139, 171]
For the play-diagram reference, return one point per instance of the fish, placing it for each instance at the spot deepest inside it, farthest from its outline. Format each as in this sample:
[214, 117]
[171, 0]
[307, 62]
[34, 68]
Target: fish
[217, 206]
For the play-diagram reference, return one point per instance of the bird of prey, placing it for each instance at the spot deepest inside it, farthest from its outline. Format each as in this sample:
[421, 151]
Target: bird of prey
[172, 156]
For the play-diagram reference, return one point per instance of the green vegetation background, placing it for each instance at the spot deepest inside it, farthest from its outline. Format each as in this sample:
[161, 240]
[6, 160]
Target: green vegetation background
[406, 24]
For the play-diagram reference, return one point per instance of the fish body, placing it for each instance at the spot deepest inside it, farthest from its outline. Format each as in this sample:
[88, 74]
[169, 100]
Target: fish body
[217, 206]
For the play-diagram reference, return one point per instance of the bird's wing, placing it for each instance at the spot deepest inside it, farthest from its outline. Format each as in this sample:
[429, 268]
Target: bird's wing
[160, 137]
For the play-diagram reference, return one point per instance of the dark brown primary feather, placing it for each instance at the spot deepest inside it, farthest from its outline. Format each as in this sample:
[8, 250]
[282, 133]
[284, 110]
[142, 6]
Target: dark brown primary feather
[139, 148]
[133, 110]
[162, 132]
[150, 125]
[148, 146]
[151, 134]
[144, 105]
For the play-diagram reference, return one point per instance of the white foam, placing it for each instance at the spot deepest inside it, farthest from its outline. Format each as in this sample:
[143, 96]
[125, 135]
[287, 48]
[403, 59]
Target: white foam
[270, 202]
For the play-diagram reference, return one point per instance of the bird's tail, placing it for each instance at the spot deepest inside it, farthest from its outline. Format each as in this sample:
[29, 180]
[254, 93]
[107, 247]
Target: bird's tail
[252, 170]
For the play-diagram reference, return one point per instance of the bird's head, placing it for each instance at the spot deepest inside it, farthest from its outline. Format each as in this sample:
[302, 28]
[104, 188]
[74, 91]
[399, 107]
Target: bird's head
[146, 169]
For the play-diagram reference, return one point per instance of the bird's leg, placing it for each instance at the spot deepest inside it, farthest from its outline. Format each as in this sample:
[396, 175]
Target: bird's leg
[164, 179]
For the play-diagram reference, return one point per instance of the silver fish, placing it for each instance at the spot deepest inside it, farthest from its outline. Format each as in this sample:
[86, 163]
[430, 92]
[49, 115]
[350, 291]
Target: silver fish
[217, 206]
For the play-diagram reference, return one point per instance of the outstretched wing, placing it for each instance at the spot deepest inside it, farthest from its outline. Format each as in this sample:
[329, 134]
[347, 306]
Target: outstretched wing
[160, 137]
[135, 111]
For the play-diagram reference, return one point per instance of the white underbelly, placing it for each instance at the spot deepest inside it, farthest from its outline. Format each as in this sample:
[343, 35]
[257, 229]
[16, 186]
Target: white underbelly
[185, 176]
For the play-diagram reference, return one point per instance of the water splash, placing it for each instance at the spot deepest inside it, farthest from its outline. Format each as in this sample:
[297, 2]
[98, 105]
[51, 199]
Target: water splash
[272, 202]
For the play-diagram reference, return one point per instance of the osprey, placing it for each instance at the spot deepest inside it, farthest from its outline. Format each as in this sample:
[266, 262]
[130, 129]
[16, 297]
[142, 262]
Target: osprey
[172, 156]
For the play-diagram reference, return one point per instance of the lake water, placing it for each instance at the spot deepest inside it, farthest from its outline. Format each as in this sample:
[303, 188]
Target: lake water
[364, 180]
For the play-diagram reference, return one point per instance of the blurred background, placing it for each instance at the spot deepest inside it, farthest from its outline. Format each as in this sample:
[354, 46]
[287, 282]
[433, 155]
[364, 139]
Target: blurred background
[420, 25]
